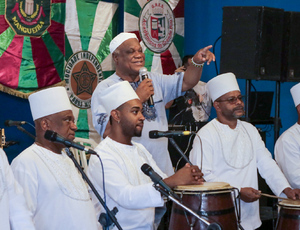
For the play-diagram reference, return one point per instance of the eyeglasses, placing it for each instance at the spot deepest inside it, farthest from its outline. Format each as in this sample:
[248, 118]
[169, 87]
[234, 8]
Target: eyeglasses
[232, 100]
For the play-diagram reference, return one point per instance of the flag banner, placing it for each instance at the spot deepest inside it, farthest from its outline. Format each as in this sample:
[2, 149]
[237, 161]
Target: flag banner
[90, 26]
[159, 26]
[31, 45]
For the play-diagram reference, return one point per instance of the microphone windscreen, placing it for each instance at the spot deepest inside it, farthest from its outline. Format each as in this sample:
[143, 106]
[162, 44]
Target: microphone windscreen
[7, 123]
[153, 134]
[146, 168]
[143, 71]
[50, 135]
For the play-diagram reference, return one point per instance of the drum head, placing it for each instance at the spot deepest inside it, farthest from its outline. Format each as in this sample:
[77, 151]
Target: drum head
[206, 186]
[290, 203]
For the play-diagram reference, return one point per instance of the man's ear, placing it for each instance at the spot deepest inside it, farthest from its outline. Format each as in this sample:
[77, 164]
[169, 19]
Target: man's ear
[44, 123]
[115, 57]
[115, 114]
[217, 105]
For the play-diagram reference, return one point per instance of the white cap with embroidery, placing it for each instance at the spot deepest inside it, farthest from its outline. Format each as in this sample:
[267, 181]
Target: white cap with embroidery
[222, 84]
[49, 101]
[119, 39]
[295, 91]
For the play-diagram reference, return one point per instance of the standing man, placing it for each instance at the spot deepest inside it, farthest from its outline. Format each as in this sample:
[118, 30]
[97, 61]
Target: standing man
[287, 147]
[14, 211]
[126, 186]
[129, 58]
[233, 151]
[55, 192]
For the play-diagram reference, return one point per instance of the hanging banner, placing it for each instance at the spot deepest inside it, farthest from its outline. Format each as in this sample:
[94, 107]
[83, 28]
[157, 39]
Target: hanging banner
[33, 59]
[159, 25]
[90, 26]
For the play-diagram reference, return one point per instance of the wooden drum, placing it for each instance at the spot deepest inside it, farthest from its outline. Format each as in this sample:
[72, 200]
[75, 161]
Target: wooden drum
[213, 201]
[289, 215]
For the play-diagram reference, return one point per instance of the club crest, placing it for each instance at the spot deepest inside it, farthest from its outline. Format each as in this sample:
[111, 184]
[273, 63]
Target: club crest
[82, 74]
[157, 25]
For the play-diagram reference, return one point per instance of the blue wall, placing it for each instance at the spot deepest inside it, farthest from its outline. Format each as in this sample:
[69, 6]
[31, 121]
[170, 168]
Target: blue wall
[203, 25]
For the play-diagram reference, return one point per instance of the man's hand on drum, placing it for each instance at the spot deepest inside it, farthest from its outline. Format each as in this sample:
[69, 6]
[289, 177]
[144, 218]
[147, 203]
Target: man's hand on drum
[188, 175]
[293, 194]
[249, 194]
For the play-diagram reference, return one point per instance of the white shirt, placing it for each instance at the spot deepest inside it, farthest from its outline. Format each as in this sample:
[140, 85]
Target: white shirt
[166, 88]
[55, 193]
[127, 187]
[14, 212]
[219, 166]
[287, 154]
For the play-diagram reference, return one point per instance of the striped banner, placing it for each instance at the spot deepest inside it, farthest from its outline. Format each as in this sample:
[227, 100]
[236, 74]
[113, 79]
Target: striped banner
[167, 61]
[90, 26]
[31, 62]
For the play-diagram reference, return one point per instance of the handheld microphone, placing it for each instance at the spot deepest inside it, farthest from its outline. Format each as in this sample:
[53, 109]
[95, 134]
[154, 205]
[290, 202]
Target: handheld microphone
[157, 179]
[14, 123]
[54, 137]
[144, 75]
[157, 134]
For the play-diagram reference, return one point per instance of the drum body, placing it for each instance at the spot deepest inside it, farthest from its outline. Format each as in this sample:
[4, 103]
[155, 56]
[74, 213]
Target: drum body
[289, 215]
[213, 201]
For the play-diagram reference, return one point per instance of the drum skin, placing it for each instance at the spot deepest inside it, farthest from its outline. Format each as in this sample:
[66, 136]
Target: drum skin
[216, 204]
[289, 215]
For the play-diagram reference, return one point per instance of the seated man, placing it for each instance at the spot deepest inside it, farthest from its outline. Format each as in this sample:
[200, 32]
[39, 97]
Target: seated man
[288, 145]
[233, 151]
[55, 192]
[126, 186]
[13, 208]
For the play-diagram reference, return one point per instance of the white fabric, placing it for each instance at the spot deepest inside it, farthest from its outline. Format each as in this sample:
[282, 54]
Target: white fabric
[56, 100]
[120, 93]
[166, 88]
[215, 169]
[222, 84]
[119, 39]
[287, 154]
[126, 186]
[55, 193]
[13, 208]
[295, 91]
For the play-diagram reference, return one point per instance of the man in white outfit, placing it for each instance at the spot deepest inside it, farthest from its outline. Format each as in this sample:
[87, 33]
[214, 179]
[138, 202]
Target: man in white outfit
[127, 188]
[13, 208]
[233, 151]
[55, 192]
[129, 58]
[287, 147]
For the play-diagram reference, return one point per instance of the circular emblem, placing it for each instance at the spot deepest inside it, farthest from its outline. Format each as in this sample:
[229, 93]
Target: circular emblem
[28, 17]
[82, 74]
[157, 25]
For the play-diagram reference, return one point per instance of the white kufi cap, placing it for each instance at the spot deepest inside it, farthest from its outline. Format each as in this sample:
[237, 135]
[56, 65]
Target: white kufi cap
[49, 101]
[119, 39]
[295, 91]
[222, 84]
[111, 98]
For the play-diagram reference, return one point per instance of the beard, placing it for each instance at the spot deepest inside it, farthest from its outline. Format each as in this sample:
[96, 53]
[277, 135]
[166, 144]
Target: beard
[236, 114]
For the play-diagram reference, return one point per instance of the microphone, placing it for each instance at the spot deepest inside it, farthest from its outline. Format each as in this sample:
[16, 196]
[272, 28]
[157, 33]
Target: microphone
[157, 134]
[14, 123]
[54, 137]
[157, 179]
[144, 75]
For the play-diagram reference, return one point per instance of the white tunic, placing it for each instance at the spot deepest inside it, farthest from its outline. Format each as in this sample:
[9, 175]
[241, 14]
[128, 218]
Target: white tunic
[126, 186]
[287, 154]
[222, 162]
[166, 88]
[14, 212]
[54, 190]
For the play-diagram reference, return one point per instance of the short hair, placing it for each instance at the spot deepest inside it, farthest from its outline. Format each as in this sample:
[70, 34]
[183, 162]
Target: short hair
[186, 58]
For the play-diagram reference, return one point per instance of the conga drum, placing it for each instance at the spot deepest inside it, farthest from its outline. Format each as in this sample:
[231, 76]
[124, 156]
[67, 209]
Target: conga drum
[212, 201]
[289, 215]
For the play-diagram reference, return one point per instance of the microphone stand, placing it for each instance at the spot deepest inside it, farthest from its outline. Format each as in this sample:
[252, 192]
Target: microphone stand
[179, 150]
[25, 131]
[111, 214]
[211, 226]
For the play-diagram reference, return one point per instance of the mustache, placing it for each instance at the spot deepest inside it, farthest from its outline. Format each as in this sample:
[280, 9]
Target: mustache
[238, 108]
